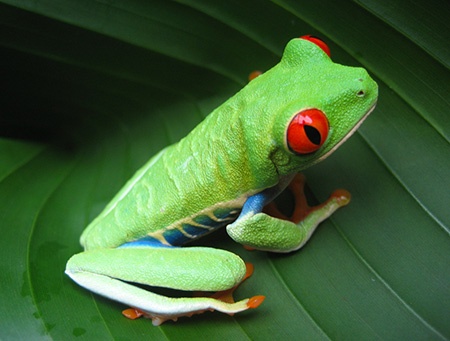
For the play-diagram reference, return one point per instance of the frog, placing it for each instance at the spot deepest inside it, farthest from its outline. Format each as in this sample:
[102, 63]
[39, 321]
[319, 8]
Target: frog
[226, 173]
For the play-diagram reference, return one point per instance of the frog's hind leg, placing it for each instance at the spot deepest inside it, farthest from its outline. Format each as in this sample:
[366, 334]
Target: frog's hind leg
[112, 272]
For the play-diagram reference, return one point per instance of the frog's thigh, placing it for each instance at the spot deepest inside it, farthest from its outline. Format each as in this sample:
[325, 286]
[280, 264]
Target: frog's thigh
[107, 271]
[190, 268]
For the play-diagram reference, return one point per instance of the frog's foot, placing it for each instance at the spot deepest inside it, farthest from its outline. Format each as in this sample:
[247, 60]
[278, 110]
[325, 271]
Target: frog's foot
[338, 198]
[254, 74]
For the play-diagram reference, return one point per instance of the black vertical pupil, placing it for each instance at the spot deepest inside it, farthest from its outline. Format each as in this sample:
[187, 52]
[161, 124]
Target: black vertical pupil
[312, 134]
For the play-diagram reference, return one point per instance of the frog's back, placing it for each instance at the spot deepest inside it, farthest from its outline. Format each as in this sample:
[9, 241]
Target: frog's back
[187, 188]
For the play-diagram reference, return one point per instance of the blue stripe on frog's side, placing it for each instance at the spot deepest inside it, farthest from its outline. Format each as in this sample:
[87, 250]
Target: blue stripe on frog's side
[145, 242]
[198, 226]
[188, 229]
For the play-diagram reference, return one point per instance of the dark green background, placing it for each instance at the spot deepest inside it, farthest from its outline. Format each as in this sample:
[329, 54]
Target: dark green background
[91, 89]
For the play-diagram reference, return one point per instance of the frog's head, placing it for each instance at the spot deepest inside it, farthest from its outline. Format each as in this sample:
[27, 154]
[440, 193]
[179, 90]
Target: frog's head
[319, 104]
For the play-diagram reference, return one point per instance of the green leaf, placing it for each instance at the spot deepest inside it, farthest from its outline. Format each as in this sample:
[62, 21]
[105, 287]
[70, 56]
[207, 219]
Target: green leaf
[92, 89]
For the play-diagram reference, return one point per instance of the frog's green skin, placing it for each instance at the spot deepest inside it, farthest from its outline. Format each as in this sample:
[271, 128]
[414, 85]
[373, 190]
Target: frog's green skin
[237, 156]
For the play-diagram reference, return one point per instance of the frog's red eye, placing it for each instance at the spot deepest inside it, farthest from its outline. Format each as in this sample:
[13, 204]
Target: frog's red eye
[307, 131]
[319, 42]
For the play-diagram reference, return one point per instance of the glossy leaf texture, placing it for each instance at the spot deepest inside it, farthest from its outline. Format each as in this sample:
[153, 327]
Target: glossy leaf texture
[92, 89]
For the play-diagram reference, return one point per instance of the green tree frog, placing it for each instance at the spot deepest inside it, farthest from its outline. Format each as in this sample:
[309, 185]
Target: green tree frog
[224, 173]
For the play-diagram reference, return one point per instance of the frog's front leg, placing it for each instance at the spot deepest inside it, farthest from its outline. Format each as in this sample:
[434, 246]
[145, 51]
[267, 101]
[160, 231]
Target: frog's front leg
[279, 233]
[110, 272]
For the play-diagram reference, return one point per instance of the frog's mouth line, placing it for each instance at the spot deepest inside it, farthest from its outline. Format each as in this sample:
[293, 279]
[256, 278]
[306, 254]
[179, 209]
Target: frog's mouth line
[350, 133]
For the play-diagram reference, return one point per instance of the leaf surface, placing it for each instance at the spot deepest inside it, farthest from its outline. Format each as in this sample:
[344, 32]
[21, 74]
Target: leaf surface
[92, 89]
